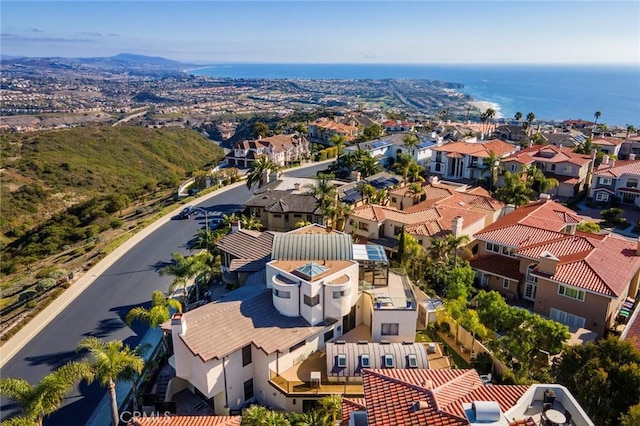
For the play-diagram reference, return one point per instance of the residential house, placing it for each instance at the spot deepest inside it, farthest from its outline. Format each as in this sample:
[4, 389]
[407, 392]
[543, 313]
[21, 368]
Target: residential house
[576, 278]
[455, 397]
[386, 149]
[631, 145]
[453, 212]
[350, 193]
[579, 124]
[572, 170]
[465, 160]
[281, 149]
[511, 132]
[280, 204]
[394, 126]
[162, 420]
[316, 288]
[608, 145]
[323, 129]
[569, 138]
[616, 178]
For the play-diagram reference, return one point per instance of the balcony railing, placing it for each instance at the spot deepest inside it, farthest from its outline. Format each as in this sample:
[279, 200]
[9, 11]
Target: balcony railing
[350, 388]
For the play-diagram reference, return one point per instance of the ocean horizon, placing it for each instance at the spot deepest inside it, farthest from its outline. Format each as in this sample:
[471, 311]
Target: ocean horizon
[551, 92]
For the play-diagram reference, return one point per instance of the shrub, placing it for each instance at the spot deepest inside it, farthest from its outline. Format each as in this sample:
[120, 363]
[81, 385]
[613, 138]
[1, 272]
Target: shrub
[27, 295]
[116, 223]
[58, 274]
[46, 272]
[45, 284]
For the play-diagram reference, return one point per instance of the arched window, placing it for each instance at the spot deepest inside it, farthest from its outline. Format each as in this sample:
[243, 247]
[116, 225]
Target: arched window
[632, 183]
[530, 277]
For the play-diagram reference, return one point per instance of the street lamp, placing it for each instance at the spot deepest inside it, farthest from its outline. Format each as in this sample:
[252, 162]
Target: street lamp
[206, 217]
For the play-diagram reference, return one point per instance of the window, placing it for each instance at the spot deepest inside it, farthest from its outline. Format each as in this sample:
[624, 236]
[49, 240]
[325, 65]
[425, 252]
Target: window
[246, 355]
[605, 181]
[507, 251]
[513, 167]
[530, 277]
[390, 329]
[365, 362]
[297, 346]
[281, 294]
[388, 361]
[632, 183]
[363, 225]
[342, 360]
[248, 389]
[553, 167]
[397, 230]
[505, 283]
[567, 169]
[571, 292]
[297, 215]
[602, 196]
[438, 156]
[286, 218]
[413, 360]
[394, 200]
[493, 247]
[311, 301]
[309, 218]
[339, 294]
[328, 335]
[277, 215]
[437, 166]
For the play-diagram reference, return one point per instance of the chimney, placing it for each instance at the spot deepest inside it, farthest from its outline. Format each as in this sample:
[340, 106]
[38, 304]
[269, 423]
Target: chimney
[296, 186]
[178, 324]
[632, 157]
[545, 197]
[509, 208]
[613, 162]
[605, 159]
[456, 226]
[548, 263]
[235, 226]
[356, 176]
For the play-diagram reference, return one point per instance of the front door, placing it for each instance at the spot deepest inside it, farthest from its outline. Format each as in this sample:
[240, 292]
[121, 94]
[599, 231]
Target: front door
[530, 291]
[349, 321]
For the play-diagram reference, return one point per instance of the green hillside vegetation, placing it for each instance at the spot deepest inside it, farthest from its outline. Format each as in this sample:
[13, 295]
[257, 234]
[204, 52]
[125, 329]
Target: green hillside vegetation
[63, 186]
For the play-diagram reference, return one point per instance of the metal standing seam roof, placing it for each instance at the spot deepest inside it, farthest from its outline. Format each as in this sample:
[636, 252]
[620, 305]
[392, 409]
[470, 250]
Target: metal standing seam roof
[330, 246]
[376, 352]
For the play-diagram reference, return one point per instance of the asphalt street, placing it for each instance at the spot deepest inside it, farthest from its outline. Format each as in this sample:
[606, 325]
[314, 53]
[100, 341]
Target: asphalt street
[101, 308]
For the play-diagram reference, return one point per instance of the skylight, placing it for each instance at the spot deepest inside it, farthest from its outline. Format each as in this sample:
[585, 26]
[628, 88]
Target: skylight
[413, 361]
[364, 361]
[311, 270]
[388, 361]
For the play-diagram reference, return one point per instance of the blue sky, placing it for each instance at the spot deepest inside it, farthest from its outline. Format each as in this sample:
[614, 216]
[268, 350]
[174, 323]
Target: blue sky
[328, 32]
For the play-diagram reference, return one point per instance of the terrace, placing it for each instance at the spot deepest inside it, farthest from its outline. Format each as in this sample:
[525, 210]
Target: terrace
[398, 294]
[549, 405]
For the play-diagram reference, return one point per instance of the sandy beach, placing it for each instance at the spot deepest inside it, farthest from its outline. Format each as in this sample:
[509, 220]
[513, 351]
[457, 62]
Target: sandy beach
[484, 105]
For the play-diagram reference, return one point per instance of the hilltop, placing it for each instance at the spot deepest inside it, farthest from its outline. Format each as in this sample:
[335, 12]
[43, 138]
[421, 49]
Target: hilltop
[45, 173]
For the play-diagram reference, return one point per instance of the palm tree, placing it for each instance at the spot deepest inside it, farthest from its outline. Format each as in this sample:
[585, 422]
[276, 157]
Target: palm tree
[274, 418]
[490, 113]
[367, 165]
[468, 112]
[491, 165]
[254, 416]
[416, 190]
[332, 406]
[531, 117]
[339, 141]
[517, 117]
[314, 418]
[324, 191]
[403, 165]
[40, 400]
[537, 181]
[258, 168]
[112, 361]
[250, 222]
[206, 239]
[597, 115]
[159, 312]
[185, 269]
[366, 190]
[514, 190]
[411, 141]
[19, 421]
[453, 244]
[227, 220]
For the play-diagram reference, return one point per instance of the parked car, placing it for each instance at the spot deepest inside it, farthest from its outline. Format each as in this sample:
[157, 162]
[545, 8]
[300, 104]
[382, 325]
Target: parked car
[216, 222]
[187, 212]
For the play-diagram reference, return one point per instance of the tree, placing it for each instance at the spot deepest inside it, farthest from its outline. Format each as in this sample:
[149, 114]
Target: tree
[417, 190]
[487, 119]
[597, 115]
[339, 141]
[411, 141]
[537, 181]
[612, 216]
[404, 165]
[588, 227]
[117, 203]
[260, 129]
[453, 244]
[367, 165]
[632, 417]
[332, 406]
[491, 166]
[185, 269]
[325, 193]
[258, 168]
[517, 117]
[159, 312]
[603, 376]
[47, 396]
[111, 362]
[375, 131]
[531, 117]
[514, 190]
[250, 222]
[314, 418]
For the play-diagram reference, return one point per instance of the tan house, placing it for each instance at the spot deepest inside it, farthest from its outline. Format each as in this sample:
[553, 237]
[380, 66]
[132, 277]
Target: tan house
[323, 129]
[570, 169]
[465, 160]
[617, 178]
[576, 278]
[281, 149]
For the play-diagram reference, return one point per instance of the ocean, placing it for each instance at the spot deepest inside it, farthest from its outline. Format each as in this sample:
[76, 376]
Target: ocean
[551, 92]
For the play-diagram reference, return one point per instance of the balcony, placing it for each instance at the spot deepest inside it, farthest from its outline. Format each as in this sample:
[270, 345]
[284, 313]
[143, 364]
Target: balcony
[297, 380]
[398, 294]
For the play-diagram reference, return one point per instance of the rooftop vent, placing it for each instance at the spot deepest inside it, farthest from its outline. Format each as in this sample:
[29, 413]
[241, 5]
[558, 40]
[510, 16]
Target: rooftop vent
[363, 342]
[341, 342]
[420, 405]
[385, 342]
[486, 411]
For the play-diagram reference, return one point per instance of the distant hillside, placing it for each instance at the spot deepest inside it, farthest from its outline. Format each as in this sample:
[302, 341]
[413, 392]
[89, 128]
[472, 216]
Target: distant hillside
[45, 173]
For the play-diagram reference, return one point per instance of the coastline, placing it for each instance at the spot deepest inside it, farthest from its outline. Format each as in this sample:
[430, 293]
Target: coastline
[484, 105]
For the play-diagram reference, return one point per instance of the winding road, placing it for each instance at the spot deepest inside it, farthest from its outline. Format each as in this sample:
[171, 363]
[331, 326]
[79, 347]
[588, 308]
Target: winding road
[100, 309]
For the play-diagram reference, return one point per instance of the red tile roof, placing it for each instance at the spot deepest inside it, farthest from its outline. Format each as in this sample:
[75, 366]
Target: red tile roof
[429, 397]
[187, 421]
[548, 154]
[620, 168]
[502, 266]
[349, 405]
[480, 149]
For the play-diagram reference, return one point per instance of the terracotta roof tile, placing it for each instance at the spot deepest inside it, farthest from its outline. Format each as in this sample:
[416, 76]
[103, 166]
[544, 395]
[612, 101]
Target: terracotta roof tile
[495, 264]
[548, 154]
[620, 168]
[478, 149]
[349, 405]
[187, 421]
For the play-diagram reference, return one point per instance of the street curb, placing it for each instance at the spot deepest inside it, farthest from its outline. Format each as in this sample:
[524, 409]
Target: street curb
[33, 327]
